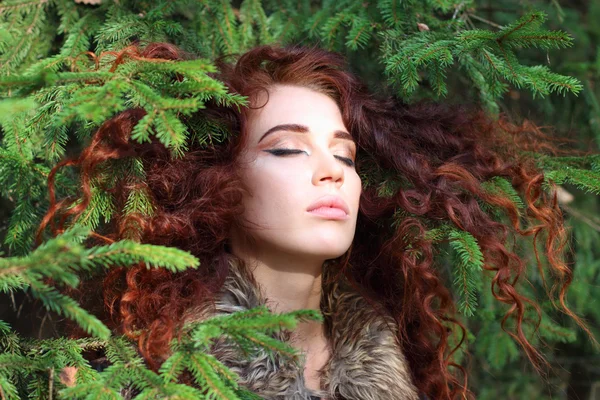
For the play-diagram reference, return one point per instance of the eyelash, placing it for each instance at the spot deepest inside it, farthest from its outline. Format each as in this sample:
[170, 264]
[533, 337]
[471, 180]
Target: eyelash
[284, 152]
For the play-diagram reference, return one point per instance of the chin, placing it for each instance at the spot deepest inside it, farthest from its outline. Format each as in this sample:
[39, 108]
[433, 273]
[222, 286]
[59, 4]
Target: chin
[329, 252]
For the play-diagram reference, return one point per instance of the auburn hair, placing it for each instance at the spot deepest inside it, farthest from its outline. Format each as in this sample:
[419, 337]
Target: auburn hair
[439, 155]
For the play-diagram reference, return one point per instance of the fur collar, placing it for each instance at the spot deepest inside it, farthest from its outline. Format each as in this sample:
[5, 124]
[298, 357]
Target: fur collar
[366, 362]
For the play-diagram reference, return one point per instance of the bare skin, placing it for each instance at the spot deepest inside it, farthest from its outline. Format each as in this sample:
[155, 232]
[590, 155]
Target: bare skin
[290, 244]
[316, 358]
[67, 376]
[308, 336]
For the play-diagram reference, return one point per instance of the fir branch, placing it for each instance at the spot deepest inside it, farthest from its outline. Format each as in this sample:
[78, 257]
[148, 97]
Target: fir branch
[589, 181]
[68, 307]
[8, 391]
[101, 205]
[359, 34]
[205, 377]
[316, 20]
[333, 26]
[390, 11]
[32, 23]
[468, 269]
[60, 257]
[500, 350]
[500, 185]
[532, 20]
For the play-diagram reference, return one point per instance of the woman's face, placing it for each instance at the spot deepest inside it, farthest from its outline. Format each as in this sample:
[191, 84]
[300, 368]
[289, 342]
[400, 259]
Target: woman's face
[299, 152]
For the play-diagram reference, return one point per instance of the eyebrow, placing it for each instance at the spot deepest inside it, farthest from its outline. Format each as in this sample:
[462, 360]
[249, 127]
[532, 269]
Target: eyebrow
[303, 129]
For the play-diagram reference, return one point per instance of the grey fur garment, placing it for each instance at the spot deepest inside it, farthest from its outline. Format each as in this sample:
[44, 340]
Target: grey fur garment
[366, 362]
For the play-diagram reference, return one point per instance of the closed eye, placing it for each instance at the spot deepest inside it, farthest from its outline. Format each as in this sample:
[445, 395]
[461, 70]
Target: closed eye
[285, 152]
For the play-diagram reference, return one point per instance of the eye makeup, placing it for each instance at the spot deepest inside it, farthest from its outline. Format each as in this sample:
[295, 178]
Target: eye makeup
[285, 152]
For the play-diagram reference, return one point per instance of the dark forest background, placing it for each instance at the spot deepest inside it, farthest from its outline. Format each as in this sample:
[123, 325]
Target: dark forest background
[34, 31]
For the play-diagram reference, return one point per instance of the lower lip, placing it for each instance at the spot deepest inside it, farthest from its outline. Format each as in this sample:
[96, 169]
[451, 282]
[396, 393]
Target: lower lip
[329, 213]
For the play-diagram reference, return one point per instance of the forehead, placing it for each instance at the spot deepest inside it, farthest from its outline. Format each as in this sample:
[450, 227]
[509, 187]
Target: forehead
[288, 104]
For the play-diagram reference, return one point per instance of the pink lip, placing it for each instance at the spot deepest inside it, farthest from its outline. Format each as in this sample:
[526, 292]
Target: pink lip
[330, 207]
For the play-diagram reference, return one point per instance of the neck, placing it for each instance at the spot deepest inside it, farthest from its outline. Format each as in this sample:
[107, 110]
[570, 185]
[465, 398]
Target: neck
[289, 283]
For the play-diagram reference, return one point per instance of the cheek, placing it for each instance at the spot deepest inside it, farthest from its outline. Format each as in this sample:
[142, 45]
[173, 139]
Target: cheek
[273, 191]
[354, 189]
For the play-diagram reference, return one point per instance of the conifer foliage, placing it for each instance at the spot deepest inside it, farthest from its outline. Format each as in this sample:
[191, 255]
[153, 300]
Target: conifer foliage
[60, 79]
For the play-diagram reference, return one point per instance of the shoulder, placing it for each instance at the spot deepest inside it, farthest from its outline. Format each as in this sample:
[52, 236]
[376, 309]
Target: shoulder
[366, 350]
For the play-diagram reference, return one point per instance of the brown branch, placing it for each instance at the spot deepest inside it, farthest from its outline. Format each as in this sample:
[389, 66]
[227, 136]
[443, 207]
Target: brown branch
[50, 383]
[487, 21]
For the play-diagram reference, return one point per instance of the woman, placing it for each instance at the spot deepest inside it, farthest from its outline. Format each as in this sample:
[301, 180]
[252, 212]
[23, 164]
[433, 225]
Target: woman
[278, 216]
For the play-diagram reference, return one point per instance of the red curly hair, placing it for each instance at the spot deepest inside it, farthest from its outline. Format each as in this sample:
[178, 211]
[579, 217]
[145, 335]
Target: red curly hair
[441, 153]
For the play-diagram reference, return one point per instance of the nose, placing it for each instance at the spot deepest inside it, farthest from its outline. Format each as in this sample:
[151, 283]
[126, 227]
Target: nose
[328, 169]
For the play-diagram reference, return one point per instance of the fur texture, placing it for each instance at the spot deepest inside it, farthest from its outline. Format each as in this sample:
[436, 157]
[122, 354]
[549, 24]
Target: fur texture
[366, 361]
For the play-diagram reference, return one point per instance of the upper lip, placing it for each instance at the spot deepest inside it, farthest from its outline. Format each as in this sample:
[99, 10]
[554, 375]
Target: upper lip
[330, 201]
